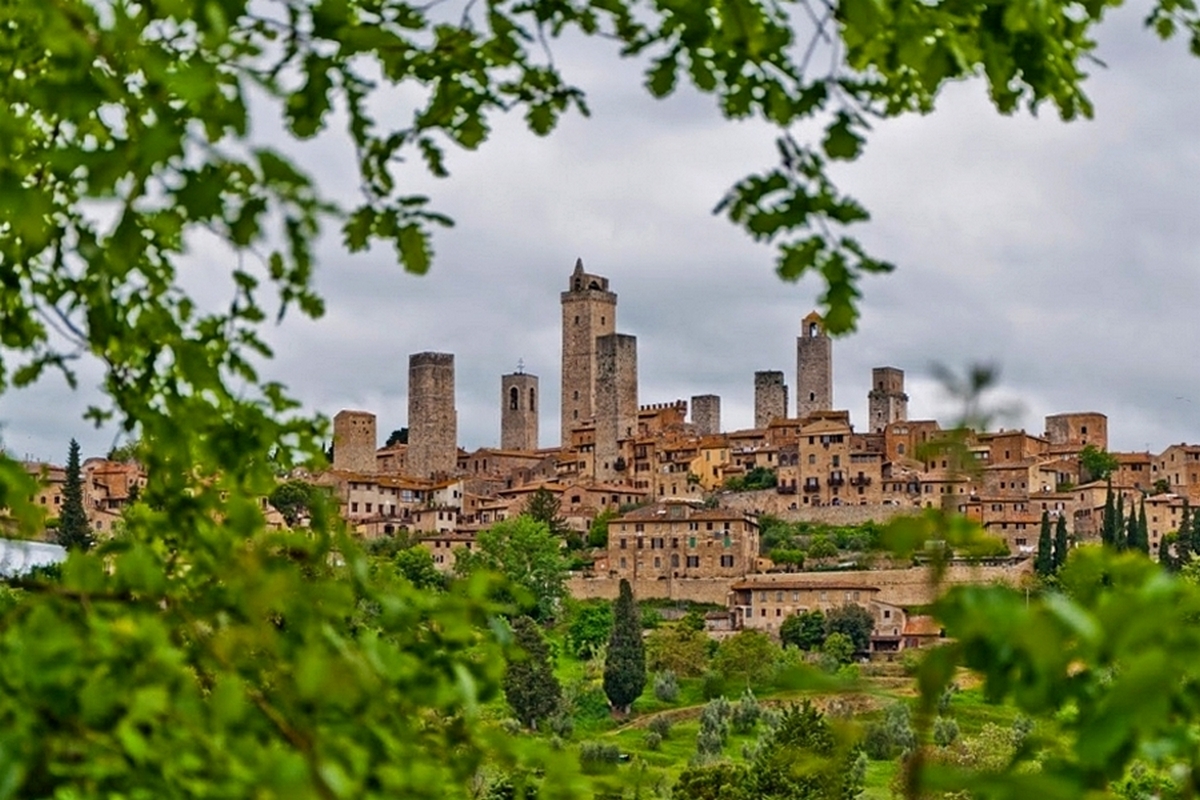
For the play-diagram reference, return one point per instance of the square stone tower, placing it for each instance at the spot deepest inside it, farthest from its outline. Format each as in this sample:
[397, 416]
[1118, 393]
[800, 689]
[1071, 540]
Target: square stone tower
[354, 440]
[519, 398]
[589, 311]
[616, 400]
[432, 419]
[770, 398]
[887, 401]
[706, 413]
[814, 367]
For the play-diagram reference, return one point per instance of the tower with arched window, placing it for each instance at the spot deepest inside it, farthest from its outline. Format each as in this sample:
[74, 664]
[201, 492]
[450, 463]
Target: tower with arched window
[814, 367]
[519, 399]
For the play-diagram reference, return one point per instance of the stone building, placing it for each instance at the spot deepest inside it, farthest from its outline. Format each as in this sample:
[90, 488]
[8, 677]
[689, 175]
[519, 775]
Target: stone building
[824, 456]
[887, 401]
[1072, 432]
[671, 540]
[616, 404]
[706, 414]
[814, 367]
[354, 441]
[432, 419]
[519, 398]
[589, 311]
[770, 398]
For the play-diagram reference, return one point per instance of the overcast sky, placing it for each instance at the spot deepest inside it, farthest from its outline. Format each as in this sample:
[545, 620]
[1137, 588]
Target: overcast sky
[1067, 254]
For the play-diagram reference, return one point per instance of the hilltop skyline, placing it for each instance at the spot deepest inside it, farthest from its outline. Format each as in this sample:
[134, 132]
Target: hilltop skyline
[1012, 245]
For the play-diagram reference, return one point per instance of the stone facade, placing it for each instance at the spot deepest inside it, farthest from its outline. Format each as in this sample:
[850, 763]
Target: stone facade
[814, 367]
[706, 414]
[887, 401]
[770, 398]
[519, 399]
[432, 419]
[672, 540]
[589, 310]
[616, 410]
[1073, 431]
[354, 441]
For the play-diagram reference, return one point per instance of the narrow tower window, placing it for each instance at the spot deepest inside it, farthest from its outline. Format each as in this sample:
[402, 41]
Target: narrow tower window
[532, 399]
[512, 398]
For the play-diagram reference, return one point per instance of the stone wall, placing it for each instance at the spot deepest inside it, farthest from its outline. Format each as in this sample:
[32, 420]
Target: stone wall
[903, 587]
[706, 414]
[616, 399]
[769, 501]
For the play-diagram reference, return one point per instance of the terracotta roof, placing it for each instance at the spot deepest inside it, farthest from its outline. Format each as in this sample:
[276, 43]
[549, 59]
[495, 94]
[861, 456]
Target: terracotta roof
[922, 625]
[792, 581]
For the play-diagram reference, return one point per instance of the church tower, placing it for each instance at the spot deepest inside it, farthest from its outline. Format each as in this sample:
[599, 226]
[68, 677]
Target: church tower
[814, 367]
[589, 311]
[519, 411]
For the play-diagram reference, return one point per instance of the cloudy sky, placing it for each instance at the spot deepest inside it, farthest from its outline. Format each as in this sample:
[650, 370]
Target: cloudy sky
[1067, 254]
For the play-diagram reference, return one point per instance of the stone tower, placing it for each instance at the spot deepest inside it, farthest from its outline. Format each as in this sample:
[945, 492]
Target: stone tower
[519, 398]
[616, 400]
[432, 420]
[354, 441]
[887, 400]
[589, 311]
[770, 398]
[814, 367]
[706, 414]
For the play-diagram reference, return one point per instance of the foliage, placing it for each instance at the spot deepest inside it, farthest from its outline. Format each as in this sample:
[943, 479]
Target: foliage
[854, 621]
[545, 507]
[693, 620]
[1043, 564]
[786, 557]
[625, 666]
[755, 480]
[892, 736]
[398, 436]
[74, 531]
[1096, 464]
[822, 547]
[661, 725]
[590, 626]
[746, 713]
[679, 650]
[416, 565]
[839, 647]
[801, 759]
[653, 740]
[748, 657]
[1062, 545]
[530, 687]
[945, 731]
[805, 630]
[666, 687]
[598, 531]
[599, 753]
[293, 500]
[531, 559]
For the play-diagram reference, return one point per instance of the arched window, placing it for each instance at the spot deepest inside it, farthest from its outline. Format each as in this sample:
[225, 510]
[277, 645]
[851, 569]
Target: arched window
[513, 398]
[532, 399]
[812, 329]
[812, 396]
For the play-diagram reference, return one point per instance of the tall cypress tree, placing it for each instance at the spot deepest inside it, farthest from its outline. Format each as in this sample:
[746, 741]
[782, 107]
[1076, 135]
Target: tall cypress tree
[625, 666]
[1061, 545]
[1043, 565]
[1183, 541]
[1131, 530]
[1143, 542]
[530, 687]
[74, 532]
[1120, 538]
[1108, 529]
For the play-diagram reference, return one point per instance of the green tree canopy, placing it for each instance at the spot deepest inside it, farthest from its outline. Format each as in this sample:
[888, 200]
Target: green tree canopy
[748, 657]
[1043, 564]
[74, 532]
[805, 630]
[1097, 464]
[591, 625]
[293, 500]
[531, 558]
[854, 621]
[682, 650]
[530, 687]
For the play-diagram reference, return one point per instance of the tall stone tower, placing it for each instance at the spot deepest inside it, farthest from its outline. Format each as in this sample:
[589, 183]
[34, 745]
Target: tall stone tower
[706, 414]
[814, 367]
[887, 400]
[616, 400]
[354, 441]
[432, 420]
[519, 398]
[770, 398]
[589, 311]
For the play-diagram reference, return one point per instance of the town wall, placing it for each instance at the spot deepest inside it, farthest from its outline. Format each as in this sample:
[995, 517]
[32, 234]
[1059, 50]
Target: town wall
[769, 501]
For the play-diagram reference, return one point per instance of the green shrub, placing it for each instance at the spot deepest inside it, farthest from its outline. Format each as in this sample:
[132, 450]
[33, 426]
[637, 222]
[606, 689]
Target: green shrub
[653, 740]
[712, 685]
[599, 753]
[746, 713]
[666, 688]
[945, 732]
[661, 725]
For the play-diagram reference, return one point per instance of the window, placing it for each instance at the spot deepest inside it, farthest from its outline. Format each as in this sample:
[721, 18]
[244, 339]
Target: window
[795, 597]
[693, 562]
[622, 562]
[532, 399]
[726, 561]
[691, 541]
[708, 526]
[513, 398]
[624, 546]
[779, 597]
[353, 507]
[657, 562]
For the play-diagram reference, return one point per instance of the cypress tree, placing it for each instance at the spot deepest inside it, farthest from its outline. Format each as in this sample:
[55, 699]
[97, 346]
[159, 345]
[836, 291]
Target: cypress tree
[530, 687]
[1131, 530]
[74, 532]
[1193, 537]
[1120, 539]
[1183, 540]
[1107, 531]
[1061, 545]
[625, 666]
[1043, 565]
[1143, 530]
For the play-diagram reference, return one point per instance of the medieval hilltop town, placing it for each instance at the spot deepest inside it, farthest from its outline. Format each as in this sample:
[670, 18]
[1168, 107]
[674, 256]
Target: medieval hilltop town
[661, 474]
